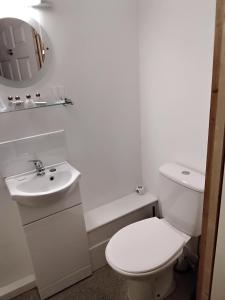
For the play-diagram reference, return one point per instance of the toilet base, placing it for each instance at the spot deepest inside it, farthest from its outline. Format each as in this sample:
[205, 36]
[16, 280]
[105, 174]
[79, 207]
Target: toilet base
[155, 287]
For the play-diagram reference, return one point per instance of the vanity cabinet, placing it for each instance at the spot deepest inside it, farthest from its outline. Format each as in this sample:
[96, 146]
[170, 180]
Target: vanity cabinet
[51, 213]
[59, 250]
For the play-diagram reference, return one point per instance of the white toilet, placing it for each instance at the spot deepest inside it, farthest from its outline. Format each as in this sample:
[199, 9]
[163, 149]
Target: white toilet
[146, 252]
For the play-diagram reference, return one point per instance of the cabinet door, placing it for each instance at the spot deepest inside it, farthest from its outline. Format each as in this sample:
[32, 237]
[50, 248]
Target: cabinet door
[59, 250]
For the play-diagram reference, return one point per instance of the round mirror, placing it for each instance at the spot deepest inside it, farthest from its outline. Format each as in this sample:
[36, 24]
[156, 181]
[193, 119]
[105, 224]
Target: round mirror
[23, 52]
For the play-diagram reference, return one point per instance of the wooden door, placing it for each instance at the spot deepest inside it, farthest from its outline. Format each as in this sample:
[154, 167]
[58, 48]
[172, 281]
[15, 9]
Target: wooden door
[17, 50]
[215, 162]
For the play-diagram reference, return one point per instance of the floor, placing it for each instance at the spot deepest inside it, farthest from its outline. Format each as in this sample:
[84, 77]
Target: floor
[105, 284]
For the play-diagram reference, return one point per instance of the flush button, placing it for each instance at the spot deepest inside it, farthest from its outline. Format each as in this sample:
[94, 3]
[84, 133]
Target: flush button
[186, 173]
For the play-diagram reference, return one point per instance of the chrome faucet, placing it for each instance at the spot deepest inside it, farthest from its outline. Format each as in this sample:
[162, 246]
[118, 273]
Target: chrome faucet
[39, 167]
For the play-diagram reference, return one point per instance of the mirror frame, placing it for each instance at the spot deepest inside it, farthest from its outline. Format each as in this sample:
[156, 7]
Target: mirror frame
[41, 73]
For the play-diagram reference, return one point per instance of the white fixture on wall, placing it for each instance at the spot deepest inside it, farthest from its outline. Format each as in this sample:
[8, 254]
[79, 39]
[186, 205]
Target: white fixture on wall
[21, 3]
[32, 2]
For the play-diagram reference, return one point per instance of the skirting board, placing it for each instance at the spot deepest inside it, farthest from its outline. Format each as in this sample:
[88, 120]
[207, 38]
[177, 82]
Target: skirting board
[18, 287]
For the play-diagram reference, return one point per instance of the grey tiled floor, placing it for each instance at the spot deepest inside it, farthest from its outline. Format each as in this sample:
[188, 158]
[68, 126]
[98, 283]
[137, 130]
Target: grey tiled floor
[105, 284]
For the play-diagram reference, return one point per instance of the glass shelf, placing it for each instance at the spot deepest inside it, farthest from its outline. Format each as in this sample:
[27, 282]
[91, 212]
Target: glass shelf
[18, 107]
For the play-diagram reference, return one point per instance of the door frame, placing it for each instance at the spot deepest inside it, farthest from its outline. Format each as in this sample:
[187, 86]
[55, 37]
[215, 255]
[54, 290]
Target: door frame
[215, 162]
[218, 287]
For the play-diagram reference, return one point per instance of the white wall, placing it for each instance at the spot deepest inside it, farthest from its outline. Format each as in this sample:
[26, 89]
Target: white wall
[176, 52]
[95, 45]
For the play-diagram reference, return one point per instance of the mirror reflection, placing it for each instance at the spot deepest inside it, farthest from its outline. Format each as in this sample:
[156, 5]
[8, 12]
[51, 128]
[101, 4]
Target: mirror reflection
[22, 51]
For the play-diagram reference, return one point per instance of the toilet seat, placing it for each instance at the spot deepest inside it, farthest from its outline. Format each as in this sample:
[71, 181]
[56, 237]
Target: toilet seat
[144, 247]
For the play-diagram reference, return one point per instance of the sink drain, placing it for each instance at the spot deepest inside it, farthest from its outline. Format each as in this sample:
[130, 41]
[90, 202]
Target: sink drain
[52, 178]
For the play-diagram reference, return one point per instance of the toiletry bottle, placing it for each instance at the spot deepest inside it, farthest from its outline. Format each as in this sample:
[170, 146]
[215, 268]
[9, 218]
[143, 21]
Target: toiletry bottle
[39, 101]
[10, 98]
[3, 107]
[18, 101]
[38, 97]
[29, 103]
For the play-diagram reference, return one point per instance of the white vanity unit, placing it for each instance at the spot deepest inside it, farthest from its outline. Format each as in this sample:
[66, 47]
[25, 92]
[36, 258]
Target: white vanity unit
[52, 217]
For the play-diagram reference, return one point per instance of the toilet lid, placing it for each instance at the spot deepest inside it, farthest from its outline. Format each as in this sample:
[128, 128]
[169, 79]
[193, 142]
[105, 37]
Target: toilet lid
[143, 246]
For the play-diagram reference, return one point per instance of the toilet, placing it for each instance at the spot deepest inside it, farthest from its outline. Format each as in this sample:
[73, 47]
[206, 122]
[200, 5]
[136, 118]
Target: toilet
[145, 252]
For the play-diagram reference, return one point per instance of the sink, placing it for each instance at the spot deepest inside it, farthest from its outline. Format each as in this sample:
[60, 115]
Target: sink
[58, 179]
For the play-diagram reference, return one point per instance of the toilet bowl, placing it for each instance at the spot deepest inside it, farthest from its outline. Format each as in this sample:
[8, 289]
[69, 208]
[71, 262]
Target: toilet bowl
[145, 253]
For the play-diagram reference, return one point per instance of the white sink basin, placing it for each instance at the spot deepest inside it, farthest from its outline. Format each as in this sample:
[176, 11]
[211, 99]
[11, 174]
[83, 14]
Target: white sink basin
[28, 186]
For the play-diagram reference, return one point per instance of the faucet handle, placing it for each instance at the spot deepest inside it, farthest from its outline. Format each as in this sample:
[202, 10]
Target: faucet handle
[34, 160]
[39, 166]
